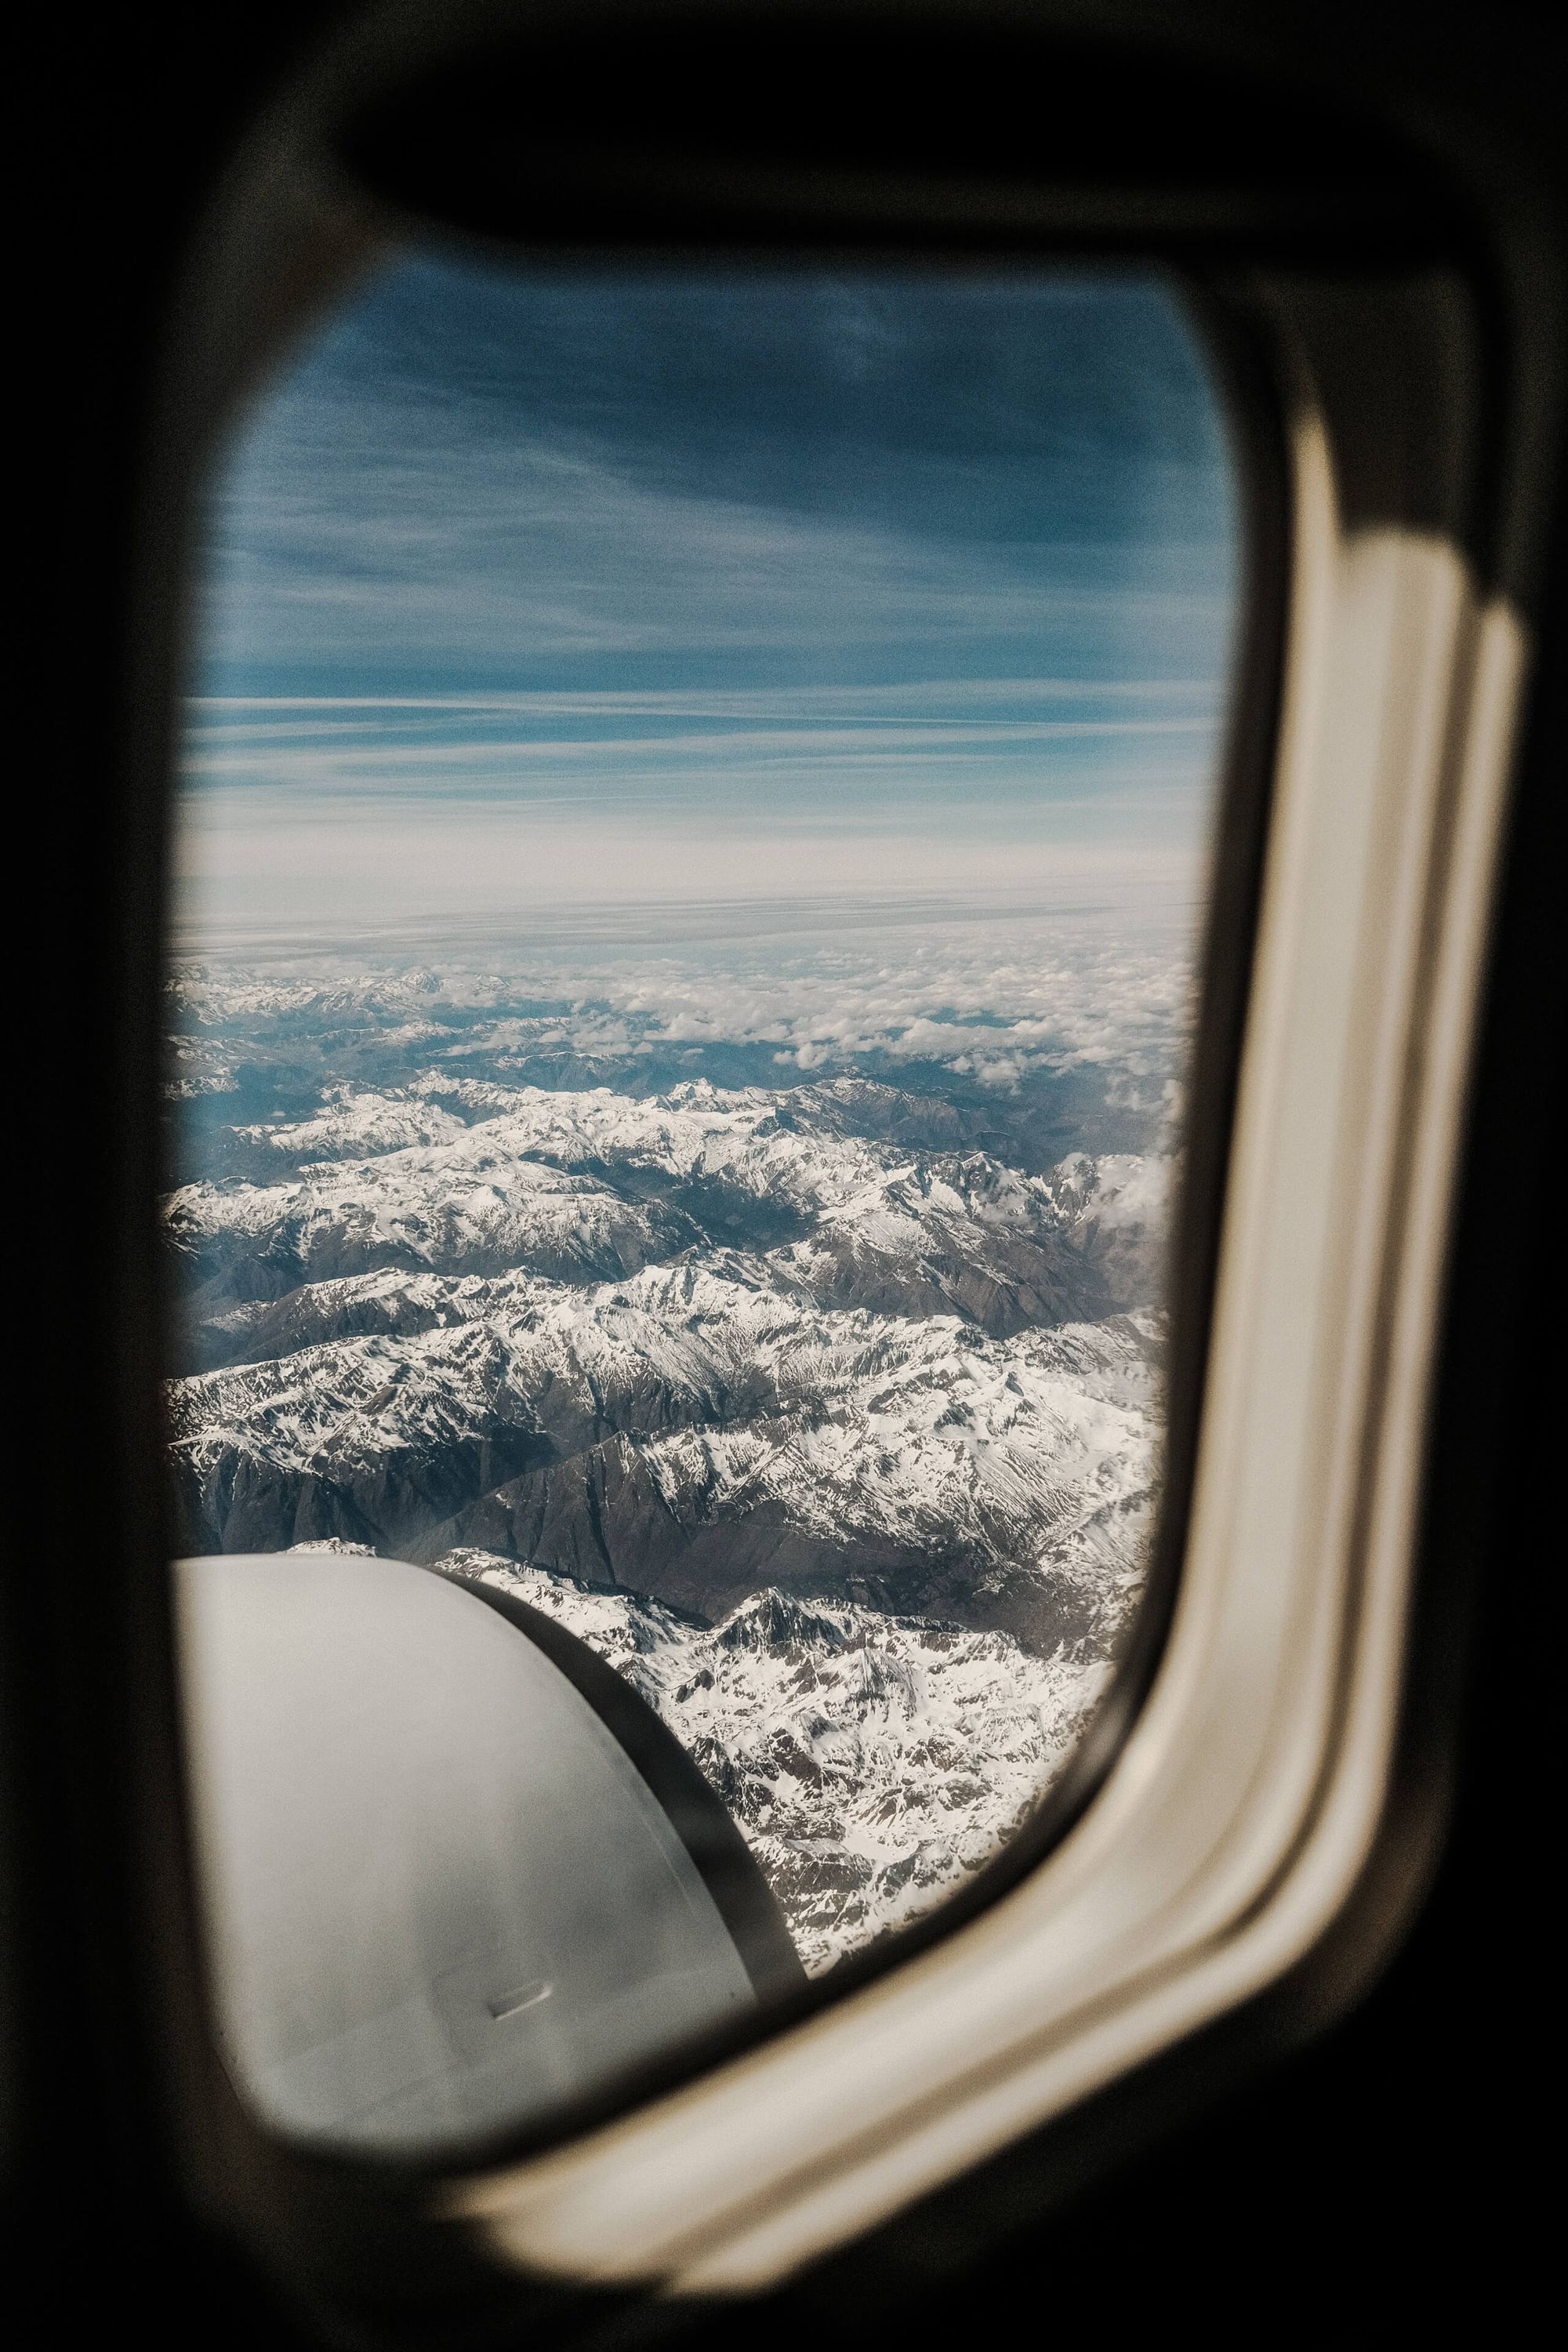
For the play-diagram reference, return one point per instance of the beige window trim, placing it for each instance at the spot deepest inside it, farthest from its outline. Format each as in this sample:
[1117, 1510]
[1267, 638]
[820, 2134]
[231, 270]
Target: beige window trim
[1232, 1829]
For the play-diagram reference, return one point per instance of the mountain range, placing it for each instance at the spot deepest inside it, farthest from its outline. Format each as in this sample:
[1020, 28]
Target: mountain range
[836, 1433]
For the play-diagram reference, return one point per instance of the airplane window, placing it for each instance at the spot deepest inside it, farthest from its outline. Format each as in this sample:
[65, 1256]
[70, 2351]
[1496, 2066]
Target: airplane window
[691, 855]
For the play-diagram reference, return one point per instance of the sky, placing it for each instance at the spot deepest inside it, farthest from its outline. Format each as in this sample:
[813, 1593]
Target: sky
[574, 606]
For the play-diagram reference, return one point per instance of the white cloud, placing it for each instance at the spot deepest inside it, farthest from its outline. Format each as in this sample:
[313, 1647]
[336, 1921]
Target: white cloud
[992, 1001]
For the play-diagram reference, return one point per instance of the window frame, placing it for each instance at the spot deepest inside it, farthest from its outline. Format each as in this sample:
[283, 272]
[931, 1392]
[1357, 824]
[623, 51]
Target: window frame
[1235, 346]
[1074, 1978]
[545, 2218]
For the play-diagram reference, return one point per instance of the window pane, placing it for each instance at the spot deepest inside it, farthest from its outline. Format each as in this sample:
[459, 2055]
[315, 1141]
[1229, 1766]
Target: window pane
[693, 837]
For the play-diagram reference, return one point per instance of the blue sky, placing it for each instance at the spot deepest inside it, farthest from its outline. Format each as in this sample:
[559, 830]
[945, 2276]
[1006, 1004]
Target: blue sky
[524, 590]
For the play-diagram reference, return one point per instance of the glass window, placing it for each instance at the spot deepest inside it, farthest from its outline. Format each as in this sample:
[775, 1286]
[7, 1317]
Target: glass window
[690, 852]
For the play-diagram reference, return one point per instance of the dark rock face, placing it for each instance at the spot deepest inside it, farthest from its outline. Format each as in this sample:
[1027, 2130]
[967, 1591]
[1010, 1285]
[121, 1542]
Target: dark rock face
[257, 1331]
[260, 1307]
[883, 1113]
[701, 1212]
[1021, 1284]
[245, 1503]
[600, 1516]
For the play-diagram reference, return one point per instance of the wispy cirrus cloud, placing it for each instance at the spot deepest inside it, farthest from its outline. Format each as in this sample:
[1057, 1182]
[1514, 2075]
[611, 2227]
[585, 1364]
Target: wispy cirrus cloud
[476, 474]
[527, 598]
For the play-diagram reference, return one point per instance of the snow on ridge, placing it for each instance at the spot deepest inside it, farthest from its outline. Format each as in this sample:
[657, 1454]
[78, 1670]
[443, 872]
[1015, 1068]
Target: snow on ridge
[357, 1123]
[431, 1203]
[218, 994]
[1040, 1448]
[535, 1180]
